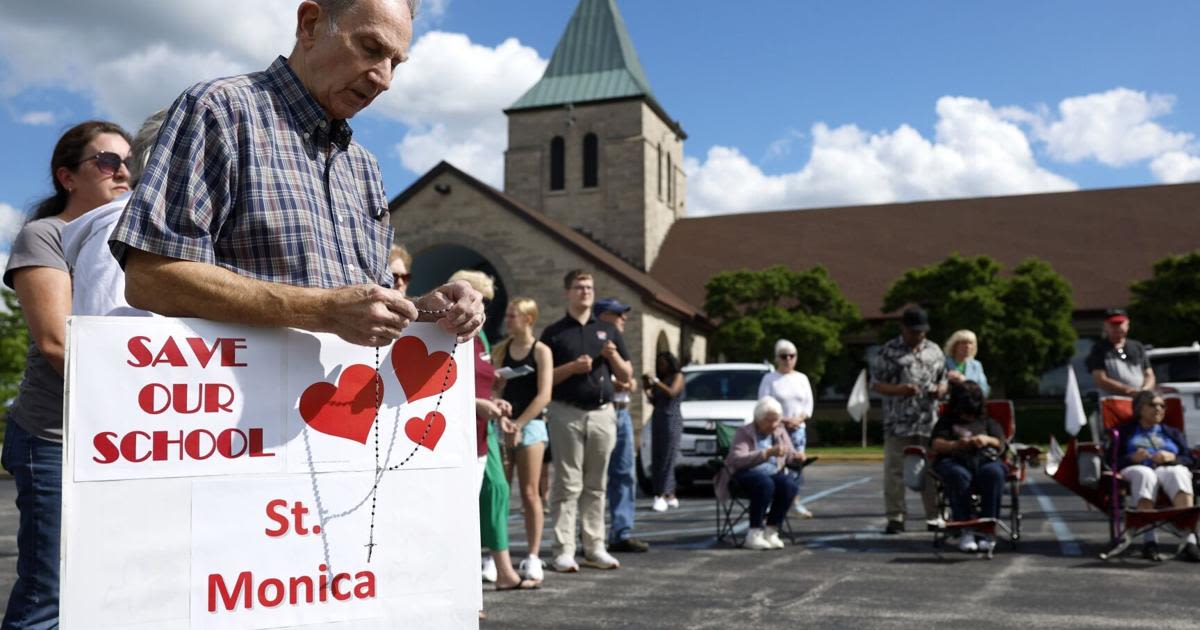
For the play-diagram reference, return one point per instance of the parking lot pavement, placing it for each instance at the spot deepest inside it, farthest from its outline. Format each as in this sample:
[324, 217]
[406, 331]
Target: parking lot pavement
[844, 572]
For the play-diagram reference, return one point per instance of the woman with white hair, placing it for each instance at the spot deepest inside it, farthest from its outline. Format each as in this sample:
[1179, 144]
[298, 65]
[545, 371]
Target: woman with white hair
[757, 459]
[791, 388]
[961, 364]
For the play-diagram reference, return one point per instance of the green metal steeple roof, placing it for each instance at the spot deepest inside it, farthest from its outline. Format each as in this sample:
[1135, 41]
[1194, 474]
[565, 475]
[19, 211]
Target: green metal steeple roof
[594, 61]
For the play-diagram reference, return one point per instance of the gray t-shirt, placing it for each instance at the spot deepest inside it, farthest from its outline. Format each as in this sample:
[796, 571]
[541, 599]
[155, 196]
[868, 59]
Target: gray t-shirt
[38, 407]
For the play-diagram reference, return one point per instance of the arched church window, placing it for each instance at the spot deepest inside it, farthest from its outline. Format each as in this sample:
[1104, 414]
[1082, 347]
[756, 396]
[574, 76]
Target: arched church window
[591, 161]
[660, 171]
[670, 182]
[558, 167]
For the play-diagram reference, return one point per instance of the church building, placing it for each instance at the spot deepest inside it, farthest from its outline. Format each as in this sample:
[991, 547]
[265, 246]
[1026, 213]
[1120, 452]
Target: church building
[593, 180]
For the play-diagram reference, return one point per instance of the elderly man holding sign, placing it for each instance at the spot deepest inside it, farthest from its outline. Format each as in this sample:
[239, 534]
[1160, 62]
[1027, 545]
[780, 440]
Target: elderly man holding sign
[258, 208]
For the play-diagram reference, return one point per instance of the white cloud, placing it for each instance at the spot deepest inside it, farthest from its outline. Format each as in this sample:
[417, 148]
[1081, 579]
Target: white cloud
[975, 151]
[37, 118]
[132, 58]
[451, 97]
[1176, 167]
[11, 220]
[1115, 128]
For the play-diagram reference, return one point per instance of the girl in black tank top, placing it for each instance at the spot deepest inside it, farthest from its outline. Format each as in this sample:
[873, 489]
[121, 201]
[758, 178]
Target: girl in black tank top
[519, 391]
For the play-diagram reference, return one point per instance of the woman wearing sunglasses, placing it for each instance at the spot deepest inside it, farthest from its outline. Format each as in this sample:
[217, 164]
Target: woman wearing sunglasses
[791, 388]
[87, 170]
[1155, 458]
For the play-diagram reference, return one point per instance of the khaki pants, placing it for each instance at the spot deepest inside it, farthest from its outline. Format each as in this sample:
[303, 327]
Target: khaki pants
[582, 442]
[893, 478]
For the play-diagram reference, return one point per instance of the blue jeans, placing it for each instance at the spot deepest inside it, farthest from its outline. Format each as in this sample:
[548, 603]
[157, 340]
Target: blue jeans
[36, 466]
[957, 480]
[621, 491]
[776, 491]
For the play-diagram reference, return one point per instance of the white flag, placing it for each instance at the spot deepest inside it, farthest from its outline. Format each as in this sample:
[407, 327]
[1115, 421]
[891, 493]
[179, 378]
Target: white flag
[859, 402]
[1075, 416]
[1054, 457]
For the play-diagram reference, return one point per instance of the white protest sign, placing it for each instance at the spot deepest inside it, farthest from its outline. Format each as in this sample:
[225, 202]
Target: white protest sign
[225, 477]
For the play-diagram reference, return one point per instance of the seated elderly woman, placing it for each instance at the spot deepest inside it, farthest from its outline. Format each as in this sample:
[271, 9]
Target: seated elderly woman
[757, 458]
[1153, 457]
[968, 446]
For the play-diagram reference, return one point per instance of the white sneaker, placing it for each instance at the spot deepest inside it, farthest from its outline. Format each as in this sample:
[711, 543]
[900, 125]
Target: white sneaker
[489, 569]
[986, 544]
[673, 502]
[967, 544]
[756, 540]
[772, 536]
[565, 563]
[660, 504]
[599, 558]
[531, 569]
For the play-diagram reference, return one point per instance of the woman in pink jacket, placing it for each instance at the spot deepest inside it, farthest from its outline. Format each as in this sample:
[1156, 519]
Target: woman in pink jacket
[757, 459]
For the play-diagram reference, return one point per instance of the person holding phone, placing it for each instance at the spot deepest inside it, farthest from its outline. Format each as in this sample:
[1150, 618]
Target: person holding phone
[527, 370]
[664, 389]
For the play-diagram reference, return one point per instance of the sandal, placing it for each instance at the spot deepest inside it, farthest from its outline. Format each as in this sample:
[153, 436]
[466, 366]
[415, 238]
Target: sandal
[523, 585]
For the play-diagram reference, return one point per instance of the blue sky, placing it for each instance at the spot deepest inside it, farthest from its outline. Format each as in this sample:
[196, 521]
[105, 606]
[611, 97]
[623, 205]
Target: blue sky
[787, 104]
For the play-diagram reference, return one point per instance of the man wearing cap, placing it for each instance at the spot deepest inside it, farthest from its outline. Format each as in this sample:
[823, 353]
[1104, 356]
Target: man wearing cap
[582, 423]
[621, 480]
[910, 373]
[1119, 365]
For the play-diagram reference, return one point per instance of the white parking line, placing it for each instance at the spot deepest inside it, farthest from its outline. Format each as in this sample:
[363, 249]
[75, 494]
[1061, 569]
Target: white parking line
[824, 493]
[1066, 540]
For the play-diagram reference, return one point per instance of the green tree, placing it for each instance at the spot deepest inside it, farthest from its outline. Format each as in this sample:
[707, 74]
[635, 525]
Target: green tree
[1023, 321]
[1166, 308]
[753, 309]
[14, 343]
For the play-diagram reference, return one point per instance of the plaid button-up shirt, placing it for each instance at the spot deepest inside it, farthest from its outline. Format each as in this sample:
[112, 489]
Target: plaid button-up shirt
[249, 174]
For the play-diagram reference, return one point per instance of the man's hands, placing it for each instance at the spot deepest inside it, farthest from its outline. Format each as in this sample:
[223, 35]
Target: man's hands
[367, 314]
[463, 305]
[581, 365]
[609, 350]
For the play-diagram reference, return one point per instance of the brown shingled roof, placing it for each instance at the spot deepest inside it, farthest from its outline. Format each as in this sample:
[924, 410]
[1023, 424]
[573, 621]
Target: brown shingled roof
[650, 289]
[1101, 241]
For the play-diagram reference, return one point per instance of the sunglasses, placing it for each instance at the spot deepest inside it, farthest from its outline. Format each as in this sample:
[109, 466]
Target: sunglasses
[787, 356]
[396, 277]
[107, 162]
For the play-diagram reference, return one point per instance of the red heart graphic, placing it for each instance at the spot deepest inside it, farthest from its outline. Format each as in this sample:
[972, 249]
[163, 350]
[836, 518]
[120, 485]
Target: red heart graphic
[346, 411]
[426, 432]
[420, 373]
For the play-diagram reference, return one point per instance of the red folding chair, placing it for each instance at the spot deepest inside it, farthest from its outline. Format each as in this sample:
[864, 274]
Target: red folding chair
[1090, 470]
[1017, 459]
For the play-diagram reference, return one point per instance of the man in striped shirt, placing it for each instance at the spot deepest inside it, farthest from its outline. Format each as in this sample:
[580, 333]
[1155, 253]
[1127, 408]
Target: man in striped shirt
[257, 207]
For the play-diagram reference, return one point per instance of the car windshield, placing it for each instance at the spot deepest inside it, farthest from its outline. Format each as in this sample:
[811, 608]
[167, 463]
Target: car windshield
[722, 385]
[1176, 368]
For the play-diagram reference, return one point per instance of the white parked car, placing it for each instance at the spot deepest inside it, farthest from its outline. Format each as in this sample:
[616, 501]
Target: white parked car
[1177, 372]
[718, 392]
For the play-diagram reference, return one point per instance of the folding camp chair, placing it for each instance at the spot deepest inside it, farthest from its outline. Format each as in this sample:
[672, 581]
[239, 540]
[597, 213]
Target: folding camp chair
[730, 513]
[1090, 470]
[1016, 458]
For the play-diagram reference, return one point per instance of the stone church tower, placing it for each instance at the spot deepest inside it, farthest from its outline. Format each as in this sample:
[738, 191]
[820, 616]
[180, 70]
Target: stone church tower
[589, 145]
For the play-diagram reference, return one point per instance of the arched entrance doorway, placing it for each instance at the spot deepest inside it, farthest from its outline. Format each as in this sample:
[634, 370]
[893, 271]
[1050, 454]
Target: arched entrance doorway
[433, 266]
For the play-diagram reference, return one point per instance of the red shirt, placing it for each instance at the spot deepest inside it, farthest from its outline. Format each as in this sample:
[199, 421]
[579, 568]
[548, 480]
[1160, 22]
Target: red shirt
[485, 375]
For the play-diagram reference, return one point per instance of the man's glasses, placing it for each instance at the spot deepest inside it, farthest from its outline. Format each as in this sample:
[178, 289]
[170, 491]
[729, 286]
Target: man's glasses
[107, 162]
